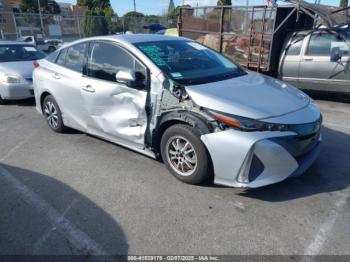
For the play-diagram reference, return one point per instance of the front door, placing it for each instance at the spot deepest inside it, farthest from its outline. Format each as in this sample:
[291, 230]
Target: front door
[317, 72]
[114, 109]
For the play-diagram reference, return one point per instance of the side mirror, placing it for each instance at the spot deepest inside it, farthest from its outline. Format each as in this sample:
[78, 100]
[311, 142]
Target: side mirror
[129, 78]
[336, 54]
[125, 76]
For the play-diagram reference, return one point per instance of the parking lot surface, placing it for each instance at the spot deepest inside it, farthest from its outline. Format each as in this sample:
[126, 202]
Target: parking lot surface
[76, 194]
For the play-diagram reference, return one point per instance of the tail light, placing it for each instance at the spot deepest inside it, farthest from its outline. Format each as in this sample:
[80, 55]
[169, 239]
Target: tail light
[36, 64]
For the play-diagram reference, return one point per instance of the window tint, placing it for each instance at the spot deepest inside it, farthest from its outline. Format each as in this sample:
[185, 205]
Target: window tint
[75, 57]
[188, 62]
[106, 59]
[321, 44]
[12, 53]
[61, 57]
[295, 45]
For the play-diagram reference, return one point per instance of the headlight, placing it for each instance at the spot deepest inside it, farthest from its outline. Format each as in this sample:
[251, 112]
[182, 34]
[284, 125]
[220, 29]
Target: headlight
[247, 124]
[11, 79]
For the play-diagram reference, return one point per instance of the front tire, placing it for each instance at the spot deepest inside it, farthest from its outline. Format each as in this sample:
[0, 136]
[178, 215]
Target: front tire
[53, 115]
[185, 155]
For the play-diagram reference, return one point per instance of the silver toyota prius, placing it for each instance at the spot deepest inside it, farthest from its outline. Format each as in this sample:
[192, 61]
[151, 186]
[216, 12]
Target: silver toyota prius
[17, 62]
[174, 99]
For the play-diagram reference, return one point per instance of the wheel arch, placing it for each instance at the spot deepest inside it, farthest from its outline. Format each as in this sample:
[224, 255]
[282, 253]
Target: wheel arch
[42, 98]
[178, 117]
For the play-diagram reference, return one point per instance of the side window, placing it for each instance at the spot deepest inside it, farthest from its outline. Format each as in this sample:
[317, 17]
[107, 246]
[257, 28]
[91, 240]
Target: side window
[61, 57]
[321, 44]
[293, 49]
[106, 59]
[75, 58]
[52, 57]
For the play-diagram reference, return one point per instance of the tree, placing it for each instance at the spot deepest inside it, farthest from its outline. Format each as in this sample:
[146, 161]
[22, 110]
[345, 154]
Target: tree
[97, 19]
[176, 12]
[171, 7]
[344, 3]
[224, 2]
[91, 4]
[31, 6]
[133, 21]
[133, 14]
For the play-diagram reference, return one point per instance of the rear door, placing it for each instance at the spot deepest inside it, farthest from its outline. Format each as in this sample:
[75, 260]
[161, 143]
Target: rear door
[317, 72]
[114, 109]
[66, 78]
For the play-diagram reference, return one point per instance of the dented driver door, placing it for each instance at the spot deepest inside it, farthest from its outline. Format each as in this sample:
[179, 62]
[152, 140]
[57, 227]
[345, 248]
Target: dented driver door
[115, 110]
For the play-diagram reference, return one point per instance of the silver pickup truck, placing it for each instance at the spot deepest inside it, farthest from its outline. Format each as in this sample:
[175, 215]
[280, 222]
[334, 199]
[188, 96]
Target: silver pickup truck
[317, 60]
[302, 43]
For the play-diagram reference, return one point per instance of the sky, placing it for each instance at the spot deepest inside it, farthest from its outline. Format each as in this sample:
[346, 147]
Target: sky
[160, 6]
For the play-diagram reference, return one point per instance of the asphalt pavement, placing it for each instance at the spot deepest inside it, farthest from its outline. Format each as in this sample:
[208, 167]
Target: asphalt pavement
[76, 194]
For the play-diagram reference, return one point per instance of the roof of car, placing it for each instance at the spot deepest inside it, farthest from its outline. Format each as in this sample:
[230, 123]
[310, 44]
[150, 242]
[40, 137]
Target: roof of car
[136, 38]
[14, 43]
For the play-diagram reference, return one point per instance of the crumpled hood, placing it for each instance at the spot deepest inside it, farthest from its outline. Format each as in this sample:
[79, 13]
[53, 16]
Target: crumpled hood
[253, 95]
[22, 68]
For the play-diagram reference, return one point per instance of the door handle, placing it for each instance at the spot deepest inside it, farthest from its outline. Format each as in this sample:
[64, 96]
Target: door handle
[308, 59]
[56, 76]
[88, 88]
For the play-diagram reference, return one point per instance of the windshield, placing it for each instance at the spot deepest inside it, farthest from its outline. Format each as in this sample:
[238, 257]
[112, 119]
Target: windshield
[188, 62]
[12, 53]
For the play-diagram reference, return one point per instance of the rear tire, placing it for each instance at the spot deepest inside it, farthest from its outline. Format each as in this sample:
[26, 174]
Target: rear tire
[185, 155]
[52, 114]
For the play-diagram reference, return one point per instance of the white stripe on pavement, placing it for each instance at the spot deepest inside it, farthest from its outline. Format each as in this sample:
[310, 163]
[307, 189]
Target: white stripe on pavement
[326, 227]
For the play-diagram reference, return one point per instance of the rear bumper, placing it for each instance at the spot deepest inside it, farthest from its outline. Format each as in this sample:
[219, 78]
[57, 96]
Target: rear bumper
[16, 91]
[254, 159]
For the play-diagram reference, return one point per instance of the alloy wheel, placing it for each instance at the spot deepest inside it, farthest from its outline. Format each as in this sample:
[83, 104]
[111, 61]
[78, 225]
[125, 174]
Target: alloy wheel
[51, 114]
[181, 155]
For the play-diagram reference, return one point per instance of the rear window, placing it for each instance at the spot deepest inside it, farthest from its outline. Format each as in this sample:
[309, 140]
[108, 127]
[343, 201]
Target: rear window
[75, 57]
[52, 57]
[13, 53]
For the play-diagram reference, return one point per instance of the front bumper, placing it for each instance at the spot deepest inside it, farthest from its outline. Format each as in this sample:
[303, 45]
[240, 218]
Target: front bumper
[255, 159]
[16, 91]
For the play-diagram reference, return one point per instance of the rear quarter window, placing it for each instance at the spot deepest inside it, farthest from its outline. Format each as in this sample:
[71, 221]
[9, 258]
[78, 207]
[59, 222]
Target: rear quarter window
[75, 57]
[61, 57]
[52, 57]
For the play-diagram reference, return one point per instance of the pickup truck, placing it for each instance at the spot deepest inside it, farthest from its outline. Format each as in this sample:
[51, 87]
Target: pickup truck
[45, 45]
[301, 43]
[317, 60]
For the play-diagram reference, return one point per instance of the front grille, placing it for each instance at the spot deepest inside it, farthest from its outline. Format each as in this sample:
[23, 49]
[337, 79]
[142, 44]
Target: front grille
[306, 129]
[307, 138]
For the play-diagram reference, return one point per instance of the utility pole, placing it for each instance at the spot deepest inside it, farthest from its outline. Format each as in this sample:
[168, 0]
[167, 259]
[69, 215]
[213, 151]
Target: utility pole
[245, 21]
[134, 5]
[41, 18]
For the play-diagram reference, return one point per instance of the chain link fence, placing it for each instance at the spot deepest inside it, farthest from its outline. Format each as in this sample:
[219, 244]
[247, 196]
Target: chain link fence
[68, 28]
